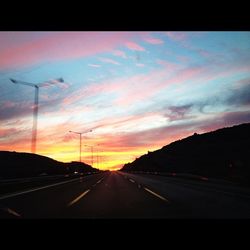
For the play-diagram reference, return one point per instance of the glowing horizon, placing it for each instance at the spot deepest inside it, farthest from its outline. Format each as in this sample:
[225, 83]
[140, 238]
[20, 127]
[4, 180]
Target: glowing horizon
[137, 91]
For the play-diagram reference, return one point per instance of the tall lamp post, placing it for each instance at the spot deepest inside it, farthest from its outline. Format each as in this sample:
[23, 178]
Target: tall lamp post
[97, 155]
[35, 107]
[91, 152]
[80, 133]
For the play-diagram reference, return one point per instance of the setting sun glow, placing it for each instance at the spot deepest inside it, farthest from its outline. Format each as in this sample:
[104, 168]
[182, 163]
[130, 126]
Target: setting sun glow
[136, 91]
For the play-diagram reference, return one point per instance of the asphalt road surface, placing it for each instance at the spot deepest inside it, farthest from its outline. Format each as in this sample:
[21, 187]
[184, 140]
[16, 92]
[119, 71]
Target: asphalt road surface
[124, 195]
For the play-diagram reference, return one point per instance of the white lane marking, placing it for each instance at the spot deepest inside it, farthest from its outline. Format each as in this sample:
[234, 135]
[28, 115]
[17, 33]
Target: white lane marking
[99, 181]
[36, 189]
[139, 186]
[155, 194]
[204, 178]
[78, 198]
[10, 211]
[131, 180]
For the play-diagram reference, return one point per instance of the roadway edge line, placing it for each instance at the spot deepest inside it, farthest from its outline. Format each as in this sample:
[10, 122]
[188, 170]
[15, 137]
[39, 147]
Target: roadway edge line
[35, 189]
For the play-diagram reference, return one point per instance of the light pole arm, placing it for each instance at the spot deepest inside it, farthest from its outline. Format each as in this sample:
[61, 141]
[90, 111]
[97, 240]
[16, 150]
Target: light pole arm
[24, 83]
[35, 115]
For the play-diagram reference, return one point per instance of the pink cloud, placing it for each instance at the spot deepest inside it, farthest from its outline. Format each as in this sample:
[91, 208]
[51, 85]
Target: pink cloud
[204, 53]
[177, 36]
[183, 59]
[10, 110]
[128, 90]
[186, 74]
[125, 121]
[134, 46]
[7, 132]
[164, 135]
[224, 119]
[152, 84]
[59, 45]
[8, 104]
[61, 85]
[155, 41]
[146, 139]
[168, 65]
[108, 60]
[140, 65]
[94, 65]
[118, 86]
[120, 53]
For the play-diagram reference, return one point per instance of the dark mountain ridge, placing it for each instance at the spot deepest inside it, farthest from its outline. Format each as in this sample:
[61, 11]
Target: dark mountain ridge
[224, 153]
[19, 165]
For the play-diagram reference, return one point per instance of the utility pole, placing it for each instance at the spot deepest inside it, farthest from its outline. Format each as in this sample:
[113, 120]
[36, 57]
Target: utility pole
[97, 160]
[35, 108]
[91, 154]
[80, 133]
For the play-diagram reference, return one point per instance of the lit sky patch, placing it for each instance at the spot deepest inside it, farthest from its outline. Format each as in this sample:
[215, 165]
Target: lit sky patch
[137, 91]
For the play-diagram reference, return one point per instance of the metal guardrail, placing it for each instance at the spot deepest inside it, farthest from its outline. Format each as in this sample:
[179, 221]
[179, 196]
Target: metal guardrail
[43, 178]
[203, 179]
[183, 175]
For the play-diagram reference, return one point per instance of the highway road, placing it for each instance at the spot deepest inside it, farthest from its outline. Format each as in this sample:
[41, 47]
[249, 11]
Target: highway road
[124, 195]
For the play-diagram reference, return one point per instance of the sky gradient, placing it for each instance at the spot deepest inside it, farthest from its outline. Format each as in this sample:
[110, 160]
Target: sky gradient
[137, 91]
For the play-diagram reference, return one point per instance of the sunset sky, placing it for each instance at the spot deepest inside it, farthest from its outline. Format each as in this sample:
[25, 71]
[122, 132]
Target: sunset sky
[137, 91]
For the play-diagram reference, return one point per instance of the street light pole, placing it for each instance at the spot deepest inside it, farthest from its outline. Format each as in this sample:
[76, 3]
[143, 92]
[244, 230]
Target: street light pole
[35, 108]
[97, 155]
[35, 115]
[92, 154]
[80, 133]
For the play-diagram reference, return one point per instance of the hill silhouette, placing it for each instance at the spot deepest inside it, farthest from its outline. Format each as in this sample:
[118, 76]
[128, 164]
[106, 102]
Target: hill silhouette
[19, 165]
[224, 153]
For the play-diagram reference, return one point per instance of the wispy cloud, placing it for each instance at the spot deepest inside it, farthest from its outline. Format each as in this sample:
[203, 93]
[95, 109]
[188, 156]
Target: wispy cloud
[240, 96]
[177, 36]
[134, 46]
[108, 60]
[140, 64]
[120, 53]
[175, 113]
[9, 109]
[94, 65]
[46, 48]
[168, 133]
[155, 41]
[179, 85]
[7, 132]
[168, 65]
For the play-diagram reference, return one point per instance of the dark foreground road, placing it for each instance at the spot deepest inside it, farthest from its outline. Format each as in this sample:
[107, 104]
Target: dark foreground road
[123, 195]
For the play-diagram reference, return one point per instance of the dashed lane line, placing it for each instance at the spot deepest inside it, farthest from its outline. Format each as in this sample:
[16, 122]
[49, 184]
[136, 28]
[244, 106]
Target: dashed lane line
[155, 194]
[78, 198]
